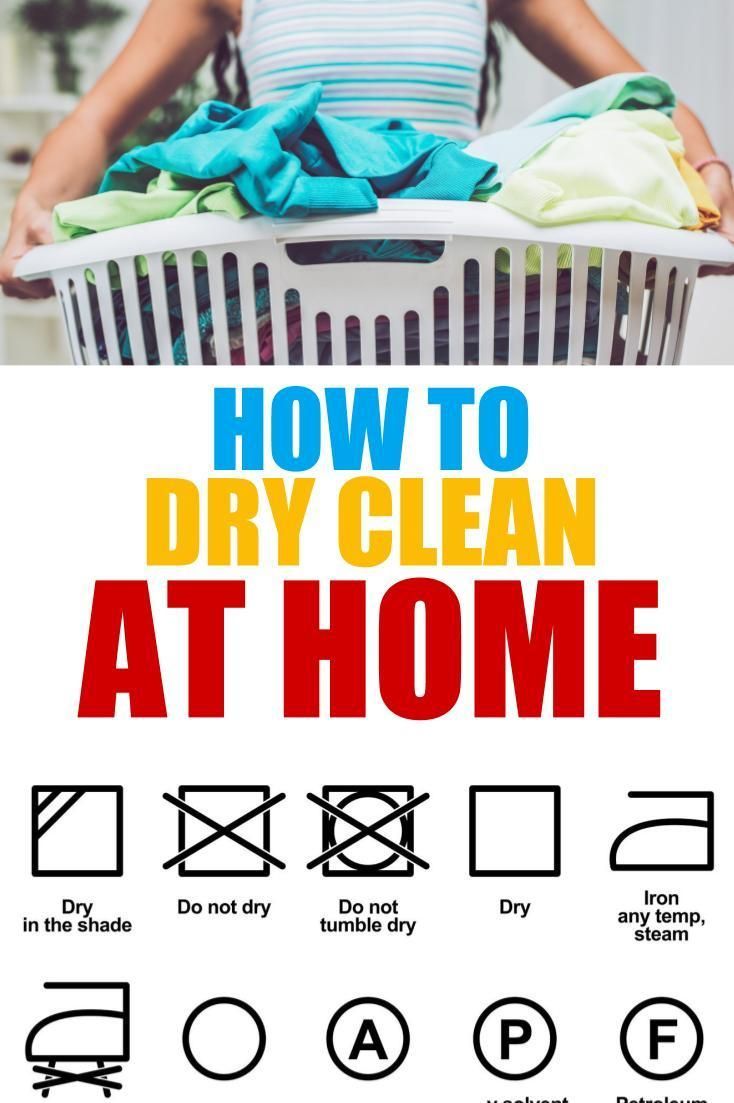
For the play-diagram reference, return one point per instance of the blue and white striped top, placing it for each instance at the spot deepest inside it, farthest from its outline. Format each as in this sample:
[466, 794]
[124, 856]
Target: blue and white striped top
[419, 60]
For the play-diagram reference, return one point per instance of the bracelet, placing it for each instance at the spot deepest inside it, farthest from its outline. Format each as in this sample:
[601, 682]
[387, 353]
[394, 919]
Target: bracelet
[713, 161]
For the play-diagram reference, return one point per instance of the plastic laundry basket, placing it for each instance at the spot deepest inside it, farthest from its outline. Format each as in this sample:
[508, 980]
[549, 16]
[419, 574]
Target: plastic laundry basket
[604, 293]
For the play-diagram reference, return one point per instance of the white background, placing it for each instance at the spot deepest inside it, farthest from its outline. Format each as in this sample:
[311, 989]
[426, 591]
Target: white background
[76, 450]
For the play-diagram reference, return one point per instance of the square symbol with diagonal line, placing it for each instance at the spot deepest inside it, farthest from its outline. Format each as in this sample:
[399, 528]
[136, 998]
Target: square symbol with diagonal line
[224, 831]
[76, 831]
[368, 831]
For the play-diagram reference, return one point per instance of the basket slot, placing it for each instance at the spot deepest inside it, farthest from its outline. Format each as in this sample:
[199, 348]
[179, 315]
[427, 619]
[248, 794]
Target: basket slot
[189, 309]
[608, 305]
[441, 318]
[353, 338]
[107, 312]
[638, 274]
[516, 349]
[579, 296]
[247, 310]
[324, 341]
[159, 301]
[383, 340]
[471, 312]
[295, 327]
[659, 317]
[72, 322]
[218, 298]
[61, 295]
[547, 304]
[685, 312]
[264, 320]
[486, 311]
[81, 285]
[671, 347]
[130, 298]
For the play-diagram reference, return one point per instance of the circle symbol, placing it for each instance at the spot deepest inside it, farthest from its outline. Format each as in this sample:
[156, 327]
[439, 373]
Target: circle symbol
[229, 1023]
[661, 1038]
[368, 1038]
[515, 1038]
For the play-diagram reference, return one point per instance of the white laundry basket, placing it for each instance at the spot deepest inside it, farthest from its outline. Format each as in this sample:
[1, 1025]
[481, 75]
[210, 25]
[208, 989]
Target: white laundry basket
[139, 295]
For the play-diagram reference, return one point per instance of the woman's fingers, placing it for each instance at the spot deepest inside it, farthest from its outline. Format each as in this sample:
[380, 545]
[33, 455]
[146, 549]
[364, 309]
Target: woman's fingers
[27, 232]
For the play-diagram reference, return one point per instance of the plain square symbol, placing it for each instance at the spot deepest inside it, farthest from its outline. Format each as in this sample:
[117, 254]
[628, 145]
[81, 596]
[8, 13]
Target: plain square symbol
[514, 831]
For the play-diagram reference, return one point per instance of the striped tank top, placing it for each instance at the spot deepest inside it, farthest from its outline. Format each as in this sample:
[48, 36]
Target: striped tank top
[419, 60]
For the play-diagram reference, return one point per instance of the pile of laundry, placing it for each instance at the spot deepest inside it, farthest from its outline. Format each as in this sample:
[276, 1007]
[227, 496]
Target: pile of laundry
[608, 150]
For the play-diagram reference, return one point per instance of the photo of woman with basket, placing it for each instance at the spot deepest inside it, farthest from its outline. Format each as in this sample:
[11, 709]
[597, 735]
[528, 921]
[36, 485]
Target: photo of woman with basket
[432, 66]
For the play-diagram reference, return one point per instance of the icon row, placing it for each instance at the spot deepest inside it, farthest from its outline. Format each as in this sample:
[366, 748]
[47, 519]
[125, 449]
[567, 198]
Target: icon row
[368, 1038]
[366, 831]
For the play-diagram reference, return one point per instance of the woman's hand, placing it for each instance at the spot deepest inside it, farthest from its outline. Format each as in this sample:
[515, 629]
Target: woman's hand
[172, 40]
[31, 225]
[722, 192]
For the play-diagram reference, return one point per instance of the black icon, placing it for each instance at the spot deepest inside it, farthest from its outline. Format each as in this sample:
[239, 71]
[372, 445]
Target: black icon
[515, 831]
[368, 1038]
[369, 852]
[515, 1039]
[251, 1028]
[228, 854]
[678, 843]
[662, 1039]
[47, 1044]
[76, 831]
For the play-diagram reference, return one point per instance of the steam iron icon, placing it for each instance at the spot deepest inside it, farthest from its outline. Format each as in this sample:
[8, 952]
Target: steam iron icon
[681, 839]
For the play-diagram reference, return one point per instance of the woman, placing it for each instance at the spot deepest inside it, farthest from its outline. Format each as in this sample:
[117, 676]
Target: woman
[424, 60]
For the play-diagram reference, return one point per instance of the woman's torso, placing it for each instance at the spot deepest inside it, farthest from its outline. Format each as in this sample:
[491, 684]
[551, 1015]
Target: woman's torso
[419, 60]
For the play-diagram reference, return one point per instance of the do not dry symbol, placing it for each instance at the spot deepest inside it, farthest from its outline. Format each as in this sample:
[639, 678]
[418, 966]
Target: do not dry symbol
[228, 853]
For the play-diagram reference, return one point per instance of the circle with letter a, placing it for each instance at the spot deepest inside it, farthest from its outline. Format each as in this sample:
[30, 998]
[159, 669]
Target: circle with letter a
[515, 1039]
[368, 1038]
[661, 1039]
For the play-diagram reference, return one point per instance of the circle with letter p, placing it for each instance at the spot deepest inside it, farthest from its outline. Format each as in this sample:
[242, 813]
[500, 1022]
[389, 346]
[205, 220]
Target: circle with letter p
[515, 1039]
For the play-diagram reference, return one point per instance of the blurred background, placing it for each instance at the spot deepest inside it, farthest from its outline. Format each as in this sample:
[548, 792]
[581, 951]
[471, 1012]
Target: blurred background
[52, 50]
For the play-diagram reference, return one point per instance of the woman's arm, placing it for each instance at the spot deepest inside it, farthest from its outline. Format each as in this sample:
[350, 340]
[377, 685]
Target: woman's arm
[170, 43]
[571, 41]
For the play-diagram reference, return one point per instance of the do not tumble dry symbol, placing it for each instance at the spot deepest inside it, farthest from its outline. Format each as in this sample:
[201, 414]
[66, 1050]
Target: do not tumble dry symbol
[358, 806]
[228, 853]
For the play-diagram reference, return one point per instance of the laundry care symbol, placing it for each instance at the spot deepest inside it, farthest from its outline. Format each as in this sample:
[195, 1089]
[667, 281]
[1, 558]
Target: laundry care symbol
[662, 1038]
[515, 831]
[678, 835]
[368, 831]
[515, 1038]
[224, 1038]
[76, 831]
[209, 839]
[368, 1038]
[93, 1037]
